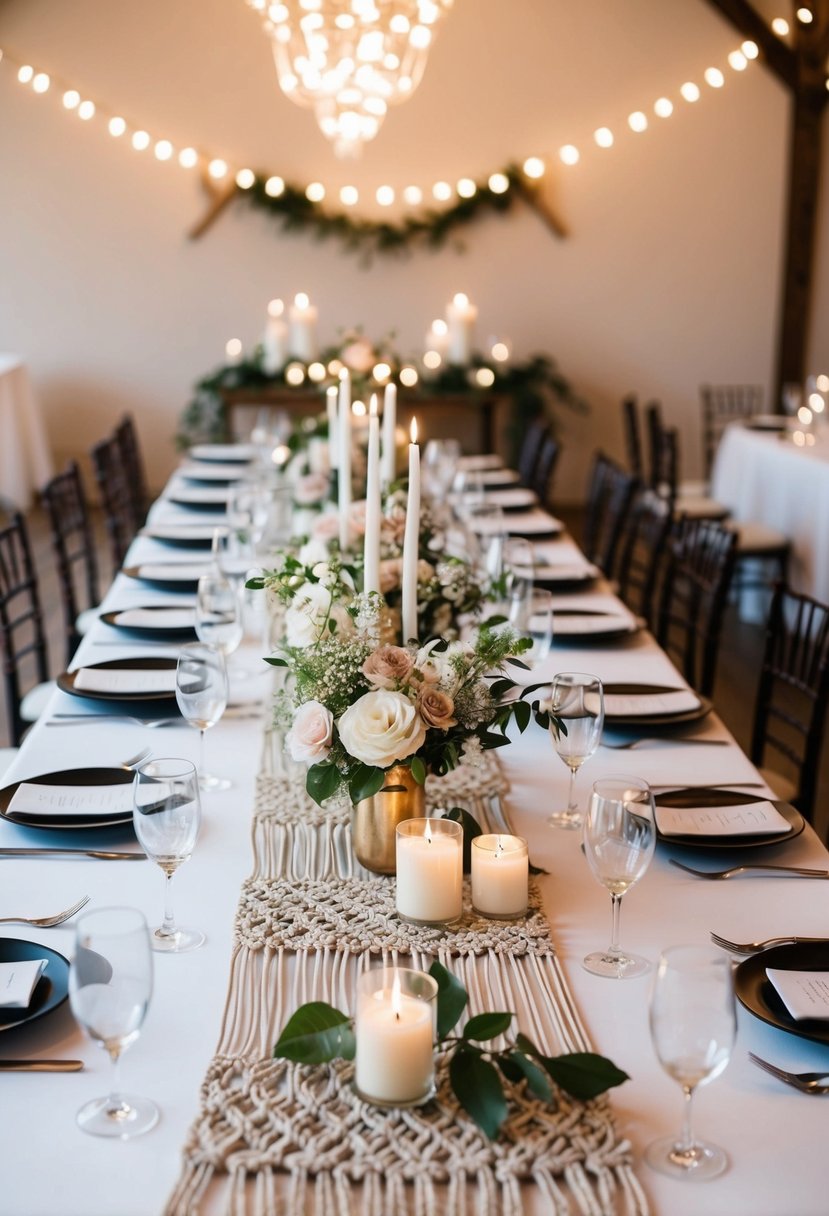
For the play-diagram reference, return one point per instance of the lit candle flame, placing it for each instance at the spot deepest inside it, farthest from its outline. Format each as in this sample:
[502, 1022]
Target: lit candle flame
[301, 300]
[396, 1002]
[276, 308]
[358, 409]
[461, 300]
[372, 408]
[414, 430]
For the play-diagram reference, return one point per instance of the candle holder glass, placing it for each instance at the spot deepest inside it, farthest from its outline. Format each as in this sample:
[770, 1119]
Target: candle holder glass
[395, 1030]
[430, 871]
[500, 877]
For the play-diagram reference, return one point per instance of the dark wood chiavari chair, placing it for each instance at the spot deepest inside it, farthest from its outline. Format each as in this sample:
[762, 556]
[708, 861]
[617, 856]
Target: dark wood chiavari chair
[22, 635]
[641, 552]
[793, 696]
[723, 404]
[530, 450]
[111, 478]
[609, 498]
[699, 565]
[633, 437]
[127, 439]
[545, 468]
[74, 547]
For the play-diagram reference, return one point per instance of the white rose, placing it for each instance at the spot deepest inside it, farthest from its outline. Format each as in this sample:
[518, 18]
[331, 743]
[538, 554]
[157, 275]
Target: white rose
[310, 736]
[382, 728]
[326, 527]
[305, 618]
[313, 551]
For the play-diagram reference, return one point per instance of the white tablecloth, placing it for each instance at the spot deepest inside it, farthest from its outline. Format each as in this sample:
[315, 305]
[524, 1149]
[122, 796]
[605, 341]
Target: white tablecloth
[774, 1135]
[769, 479]
[25, 463]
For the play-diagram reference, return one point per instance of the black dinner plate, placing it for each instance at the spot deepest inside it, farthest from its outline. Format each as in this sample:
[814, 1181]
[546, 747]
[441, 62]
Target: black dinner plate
[757, 994]
[70, 776]
[66, 680]
[767, 422]
[197, 504]
[51, 990]
[554, 527]
[566, 582]
[617, 628]
[690, 798]
[654, 721]
[192, 536]
[165, 584]
[148, 631]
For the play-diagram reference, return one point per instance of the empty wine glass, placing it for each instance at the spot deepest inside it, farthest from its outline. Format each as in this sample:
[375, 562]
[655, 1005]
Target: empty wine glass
[440, 458]
[201, 693]
[693, 1026]
[577, 717]
[485, 536]
[469, 492]
[619, 839]
[218, 612]
[530, 613]
[110, 985]
[166, 815]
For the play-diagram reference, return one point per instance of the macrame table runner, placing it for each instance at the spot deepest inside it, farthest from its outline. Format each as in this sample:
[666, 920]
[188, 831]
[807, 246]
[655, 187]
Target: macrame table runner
[277, 1139]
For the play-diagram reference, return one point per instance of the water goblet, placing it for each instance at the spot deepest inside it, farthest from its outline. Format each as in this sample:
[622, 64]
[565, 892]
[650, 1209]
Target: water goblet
[619, 839]
[577, 717]
[218, 612]
[166, 816]
[201, 694]
[693, 1025]
[110, 985]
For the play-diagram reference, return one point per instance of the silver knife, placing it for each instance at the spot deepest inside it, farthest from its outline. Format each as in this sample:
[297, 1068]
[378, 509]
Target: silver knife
[41, 1065]
[100, 854]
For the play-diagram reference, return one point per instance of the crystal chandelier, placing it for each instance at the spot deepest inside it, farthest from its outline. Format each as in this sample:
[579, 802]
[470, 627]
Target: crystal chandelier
[350, 59]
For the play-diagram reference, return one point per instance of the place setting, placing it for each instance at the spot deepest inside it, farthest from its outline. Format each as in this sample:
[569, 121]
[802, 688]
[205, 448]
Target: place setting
[171, 622]
[168, 575]
[203, 498]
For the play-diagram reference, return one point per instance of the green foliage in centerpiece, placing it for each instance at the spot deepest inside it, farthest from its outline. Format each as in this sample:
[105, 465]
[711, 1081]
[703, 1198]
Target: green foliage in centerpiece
[318, 1033]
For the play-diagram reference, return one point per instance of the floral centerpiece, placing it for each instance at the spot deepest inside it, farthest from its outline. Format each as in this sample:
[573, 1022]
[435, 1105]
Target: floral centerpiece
[358, 705]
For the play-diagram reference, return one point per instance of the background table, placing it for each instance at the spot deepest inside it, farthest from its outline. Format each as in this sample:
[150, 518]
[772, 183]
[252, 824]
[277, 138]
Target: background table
[25, 462]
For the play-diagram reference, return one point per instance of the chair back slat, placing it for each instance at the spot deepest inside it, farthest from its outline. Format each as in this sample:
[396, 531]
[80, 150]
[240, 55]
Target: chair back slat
[111, 477]
[609, 498]
[545, 468]
[633, 437]
[126, 437]
[22, 636]
[74, 548]
[642, 549]
[723, 404]
[530, 450]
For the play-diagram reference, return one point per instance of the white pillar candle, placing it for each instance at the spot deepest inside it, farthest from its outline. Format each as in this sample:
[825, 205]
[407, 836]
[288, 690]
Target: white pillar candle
[303, 328]
[430, 870]
[500, 876]
[275, 339]
[411, 542]
[394, 1033]
[331, 410]
[461, 317]
[344, 461]
[389, 458]
[371, 547]
[437, 337]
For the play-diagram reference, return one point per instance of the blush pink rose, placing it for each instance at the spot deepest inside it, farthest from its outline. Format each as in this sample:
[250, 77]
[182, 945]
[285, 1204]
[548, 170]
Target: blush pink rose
[310, 736]
[387, 666]
[436, 708]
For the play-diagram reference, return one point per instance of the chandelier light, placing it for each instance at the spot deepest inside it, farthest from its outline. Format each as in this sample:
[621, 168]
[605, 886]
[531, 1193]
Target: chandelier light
[350, 60]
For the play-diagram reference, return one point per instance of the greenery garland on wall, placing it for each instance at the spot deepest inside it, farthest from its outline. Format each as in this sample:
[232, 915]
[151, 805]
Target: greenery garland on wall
[533, 387]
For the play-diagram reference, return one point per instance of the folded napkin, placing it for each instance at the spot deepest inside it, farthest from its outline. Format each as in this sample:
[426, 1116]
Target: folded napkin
[479, 464]
[804, 993]
[550, 572]
[513, 496]
[157, 618]
[211, 472]
[17, 982]
[210, 494]
[235, 452]
[749, 819]
[574, 624]
[525, 523]
[71, 800]
[188, 572]
[124, 680]
[625, 705]
[499, 477]
[180, 531]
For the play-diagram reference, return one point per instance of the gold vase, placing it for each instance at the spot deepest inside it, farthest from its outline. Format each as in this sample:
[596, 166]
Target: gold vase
[374, 820]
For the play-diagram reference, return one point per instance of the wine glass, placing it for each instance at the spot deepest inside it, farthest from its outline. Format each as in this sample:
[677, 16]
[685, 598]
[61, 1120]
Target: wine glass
[166, 815]
[218, 612]
[110, 985]
[577, 717]
[485, 535]
[530, 613]
[619, 839]
[201, 693]
[440, 458]
[693, 1026]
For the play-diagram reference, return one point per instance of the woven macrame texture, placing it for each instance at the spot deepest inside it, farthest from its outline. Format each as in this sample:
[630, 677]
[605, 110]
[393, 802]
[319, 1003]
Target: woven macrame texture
[271, 1117]
[359, 914]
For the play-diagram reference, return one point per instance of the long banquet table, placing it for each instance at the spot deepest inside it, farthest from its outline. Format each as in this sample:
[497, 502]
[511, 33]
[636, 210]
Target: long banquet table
[50, 1168]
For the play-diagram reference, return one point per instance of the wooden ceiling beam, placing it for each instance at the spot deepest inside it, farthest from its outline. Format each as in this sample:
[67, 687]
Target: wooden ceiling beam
[747, 21]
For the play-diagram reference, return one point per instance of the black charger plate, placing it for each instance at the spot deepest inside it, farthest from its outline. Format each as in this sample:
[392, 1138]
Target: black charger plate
[71, 776]
[66, 680]
[51, 990]
[757, 994]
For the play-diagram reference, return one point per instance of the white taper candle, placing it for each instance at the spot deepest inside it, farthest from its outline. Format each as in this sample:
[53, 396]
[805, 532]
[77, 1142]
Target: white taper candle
[371, 547]
[344, 464]
[411, 542]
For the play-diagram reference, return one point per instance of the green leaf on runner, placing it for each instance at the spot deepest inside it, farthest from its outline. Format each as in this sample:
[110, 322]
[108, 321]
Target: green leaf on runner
[535, 1076]
[478, 1088]
[452, 999]
[316, 1034]
[486, 1026]
[584, 1074]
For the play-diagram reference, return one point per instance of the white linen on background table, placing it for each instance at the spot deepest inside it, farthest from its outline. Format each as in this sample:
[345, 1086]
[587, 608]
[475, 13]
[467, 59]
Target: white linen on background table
[744, 1110]
[25, 462]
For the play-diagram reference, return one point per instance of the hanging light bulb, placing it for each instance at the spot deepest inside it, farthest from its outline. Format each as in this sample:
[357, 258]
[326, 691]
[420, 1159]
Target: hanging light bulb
[350, 60]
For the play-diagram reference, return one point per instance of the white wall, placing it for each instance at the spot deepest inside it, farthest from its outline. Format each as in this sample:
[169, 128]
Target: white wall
[670, 276]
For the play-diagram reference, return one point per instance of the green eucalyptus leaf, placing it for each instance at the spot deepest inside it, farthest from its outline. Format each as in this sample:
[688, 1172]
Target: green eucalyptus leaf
[322, 781]
[277, 662]
[490, 741]
[418, 770]
[478, 1088]
[316, 1034]
[506, 1062]
[486, 1026]
[583, 1074]
[522, 712]
[452, 999]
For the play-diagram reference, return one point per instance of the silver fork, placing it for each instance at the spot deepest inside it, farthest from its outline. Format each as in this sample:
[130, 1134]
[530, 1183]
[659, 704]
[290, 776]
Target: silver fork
[752, 869]
[631, 743]
[46, 922]
[806, 1082]
[755, 947]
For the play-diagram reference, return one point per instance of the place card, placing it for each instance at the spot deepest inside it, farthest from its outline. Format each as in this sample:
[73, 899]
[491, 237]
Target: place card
[574, 624]
[747, 819]
[71, 800]
[18, 981]
[804, 993]
[525, 523]
[211, 472]
[156, 618]
[124, 680]
[183, 532]
[650, 704]
[188, 572]
[234, 452]
[550, 572]
[512, 497]
[479, 464]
